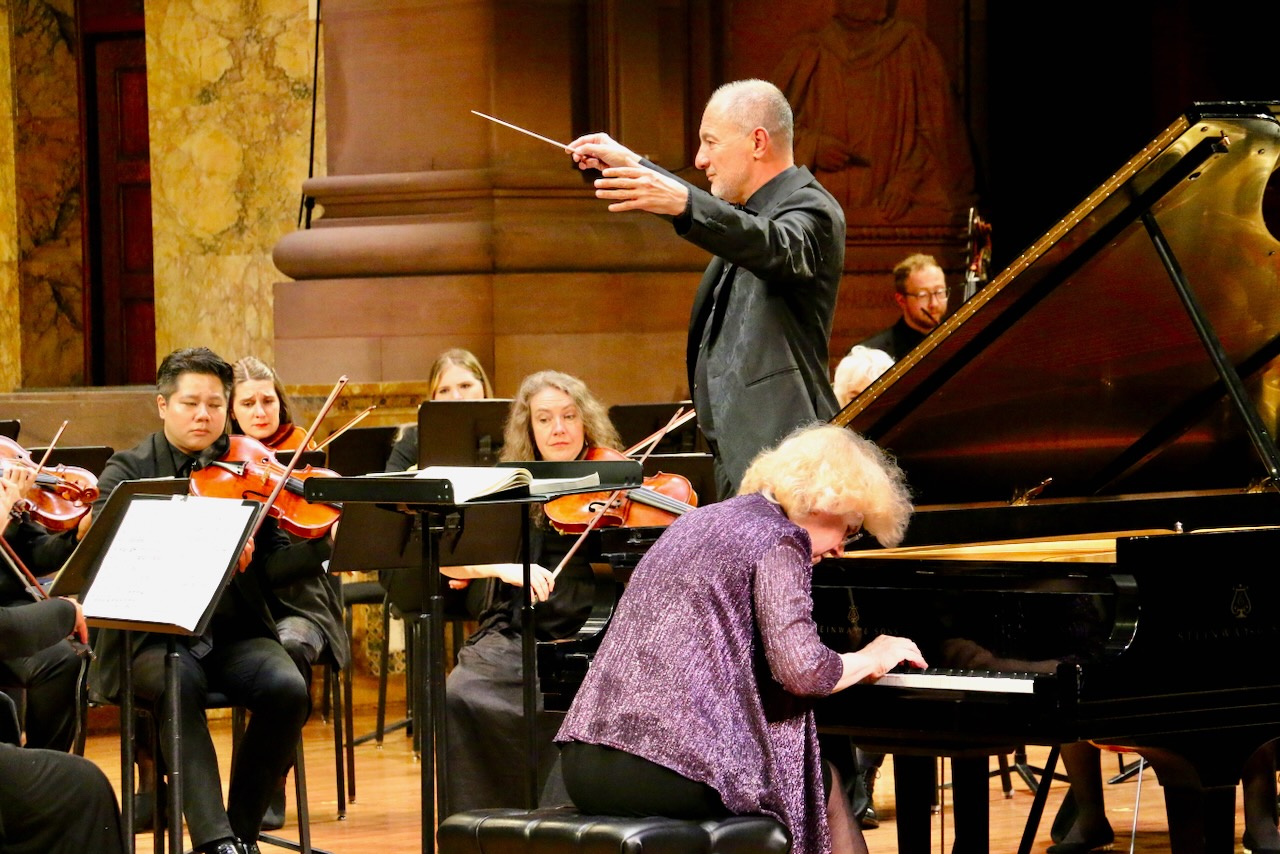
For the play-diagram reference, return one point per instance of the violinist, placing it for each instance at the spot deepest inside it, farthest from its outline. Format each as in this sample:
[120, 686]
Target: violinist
[553, 417]
[455, 375]
[307, 612]
[50, 802]
[260, 406]
[50, 674]
[240, 655]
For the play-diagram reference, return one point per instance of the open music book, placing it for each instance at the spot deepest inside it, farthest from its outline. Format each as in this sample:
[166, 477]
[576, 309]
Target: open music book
[471, 482]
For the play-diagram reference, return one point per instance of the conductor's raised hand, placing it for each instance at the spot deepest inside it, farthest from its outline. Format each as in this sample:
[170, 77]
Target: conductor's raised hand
[639, 188]
[600, 151]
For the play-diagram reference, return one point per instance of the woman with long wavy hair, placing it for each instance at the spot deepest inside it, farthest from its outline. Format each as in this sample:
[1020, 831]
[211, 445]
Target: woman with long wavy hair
[554, 416]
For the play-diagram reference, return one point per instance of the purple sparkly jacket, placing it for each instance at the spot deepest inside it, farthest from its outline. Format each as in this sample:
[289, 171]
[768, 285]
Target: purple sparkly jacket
[711, 661]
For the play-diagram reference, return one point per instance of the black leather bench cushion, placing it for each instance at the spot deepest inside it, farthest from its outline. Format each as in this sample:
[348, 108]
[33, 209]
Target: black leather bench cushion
[565, 831]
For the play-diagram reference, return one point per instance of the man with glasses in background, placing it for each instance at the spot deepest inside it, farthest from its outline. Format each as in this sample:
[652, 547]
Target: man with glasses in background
[920, 290]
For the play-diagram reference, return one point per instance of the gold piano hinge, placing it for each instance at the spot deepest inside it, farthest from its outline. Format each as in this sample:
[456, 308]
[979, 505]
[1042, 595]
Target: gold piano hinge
[1262, 484]
[1023, 497]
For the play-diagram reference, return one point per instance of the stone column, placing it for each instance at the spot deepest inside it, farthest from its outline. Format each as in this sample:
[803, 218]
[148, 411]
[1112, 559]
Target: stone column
[229, 94]
[442, 230]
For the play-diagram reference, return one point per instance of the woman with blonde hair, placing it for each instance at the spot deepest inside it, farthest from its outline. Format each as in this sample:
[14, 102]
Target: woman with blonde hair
[555, 417]
[455, 375]
[698, 704]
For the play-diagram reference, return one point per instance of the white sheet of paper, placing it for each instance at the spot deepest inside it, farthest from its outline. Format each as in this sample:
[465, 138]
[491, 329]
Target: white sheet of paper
[167, 559]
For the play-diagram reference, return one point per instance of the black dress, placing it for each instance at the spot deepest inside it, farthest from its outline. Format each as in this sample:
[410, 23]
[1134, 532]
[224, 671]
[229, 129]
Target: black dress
[488, 758]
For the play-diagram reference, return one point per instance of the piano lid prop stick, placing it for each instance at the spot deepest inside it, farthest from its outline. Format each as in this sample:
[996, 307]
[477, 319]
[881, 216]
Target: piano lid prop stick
[559, 145]
[617, 492]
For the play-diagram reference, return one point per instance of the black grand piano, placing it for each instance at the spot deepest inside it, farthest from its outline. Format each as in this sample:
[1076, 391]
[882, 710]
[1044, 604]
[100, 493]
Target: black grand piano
[1089, 441]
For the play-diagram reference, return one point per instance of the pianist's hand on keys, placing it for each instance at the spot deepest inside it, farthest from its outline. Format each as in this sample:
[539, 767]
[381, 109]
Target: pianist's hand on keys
[877, 658]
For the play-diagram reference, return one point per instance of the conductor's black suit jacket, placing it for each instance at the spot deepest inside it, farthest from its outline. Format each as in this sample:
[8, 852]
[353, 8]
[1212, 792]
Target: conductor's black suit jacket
[766, 331]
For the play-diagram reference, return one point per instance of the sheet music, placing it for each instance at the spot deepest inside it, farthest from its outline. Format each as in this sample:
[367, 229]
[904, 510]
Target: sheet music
[168, 559]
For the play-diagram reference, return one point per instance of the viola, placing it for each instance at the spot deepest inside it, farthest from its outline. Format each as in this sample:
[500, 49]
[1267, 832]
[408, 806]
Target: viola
[250, 470]
[61, 494]
[657, 503]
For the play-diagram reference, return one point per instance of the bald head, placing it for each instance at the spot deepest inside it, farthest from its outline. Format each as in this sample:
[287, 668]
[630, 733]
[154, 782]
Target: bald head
[749, 104]
[746, 139]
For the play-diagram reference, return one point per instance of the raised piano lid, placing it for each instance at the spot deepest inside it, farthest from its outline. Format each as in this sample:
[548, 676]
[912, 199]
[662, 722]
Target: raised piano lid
[1079, 362]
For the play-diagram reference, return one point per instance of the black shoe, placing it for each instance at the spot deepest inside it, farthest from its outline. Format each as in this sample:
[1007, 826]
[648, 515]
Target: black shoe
[1248, 844]
[274, 819]
[144, 821]
[1065, 819]
[251, 847]
[1098, 843]
[864, 808]
[222, 846]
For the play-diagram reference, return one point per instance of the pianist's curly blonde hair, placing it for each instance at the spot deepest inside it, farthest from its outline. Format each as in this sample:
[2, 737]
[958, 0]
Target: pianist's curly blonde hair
[828, 469]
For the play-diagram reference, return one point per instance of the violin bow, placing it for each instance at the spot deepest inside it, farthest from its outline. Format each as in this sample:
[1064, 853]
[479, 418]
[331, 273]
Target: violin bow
[49, 450]
[678, 420]
[652, 441]
[345, 427]
[297, 455]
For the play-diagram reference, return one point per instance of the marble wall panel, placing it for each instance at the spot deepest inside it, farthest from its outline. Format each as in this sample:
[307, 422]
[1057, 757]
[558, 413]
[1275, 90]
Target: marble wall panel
[230, 95]
[10, 319]
[46, 163]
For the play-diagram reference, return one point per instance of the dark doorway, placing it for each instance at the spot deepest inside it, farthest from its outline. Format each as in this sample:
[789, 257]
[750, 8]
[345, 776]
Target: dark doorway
[119, 284]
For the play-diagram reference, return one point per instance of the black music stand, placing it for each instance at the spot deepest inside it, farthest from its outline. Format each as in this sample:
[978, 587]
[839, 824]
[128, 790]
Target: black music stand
[636, 421]
[91, 458]
[118, 608]
[10, 427]
[461, 432]
[361, 450]
[431, 499]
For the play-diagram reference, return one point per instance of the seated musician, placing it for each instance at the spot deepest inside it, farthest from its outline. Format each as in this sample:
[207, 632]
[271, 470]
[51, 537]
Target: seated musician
[50, 674]
[1082, 826]
[241, 655]
[50, 802]
[307, 612]
[553, 417]
[681, 713]
[920, 290]
[455, 375]
[858, 370]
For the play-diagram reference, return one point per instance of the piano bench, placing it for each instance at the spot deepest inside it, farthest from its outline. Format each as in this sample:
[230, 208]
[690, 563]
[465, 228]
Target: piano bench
[566, 831]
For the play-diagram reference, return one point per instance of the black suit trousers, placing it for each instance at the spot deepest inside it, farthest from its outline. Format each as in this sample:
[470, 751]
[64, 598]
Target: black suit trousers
[255, 673]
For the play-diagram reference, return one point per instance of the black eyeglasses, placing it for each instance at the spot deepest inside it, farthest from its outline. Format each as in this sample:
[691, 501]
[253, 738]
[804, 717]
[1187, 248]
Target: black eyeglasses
[922, 296]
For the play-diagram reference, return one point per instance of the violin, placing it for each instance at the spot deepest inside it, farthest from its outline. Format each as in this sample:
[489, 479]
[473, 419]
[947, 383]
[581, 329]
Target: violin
[61, 494]
[657, 503]
[249, 469]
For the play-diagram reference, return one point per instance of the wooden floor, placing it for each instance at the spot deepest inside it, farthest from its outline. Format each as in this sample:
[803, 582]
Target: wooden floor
[385, 817]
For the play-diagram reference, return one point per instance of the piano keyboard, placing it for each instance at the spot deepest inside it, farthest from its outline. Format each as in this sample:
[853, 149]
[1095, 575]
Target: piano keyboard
[942, 679]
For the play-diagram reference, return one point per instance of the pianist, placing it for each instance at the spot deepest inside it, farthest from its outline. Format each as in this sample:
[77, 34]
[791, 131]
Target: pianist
[698, 704]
